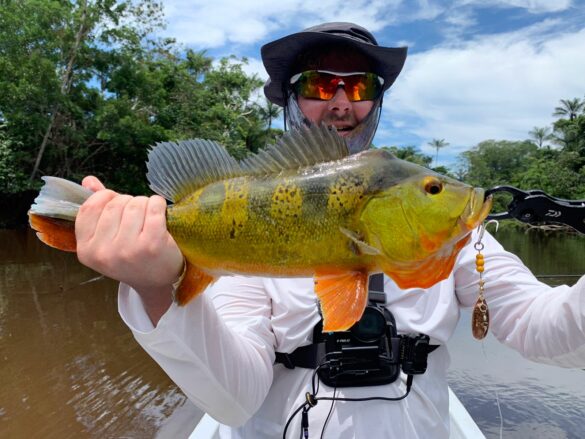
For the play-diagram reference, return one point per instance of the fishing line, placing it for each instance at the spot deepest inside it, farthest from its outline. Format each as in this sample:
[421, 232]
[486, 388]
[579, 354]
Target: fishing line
[497, 396]
[483, 342]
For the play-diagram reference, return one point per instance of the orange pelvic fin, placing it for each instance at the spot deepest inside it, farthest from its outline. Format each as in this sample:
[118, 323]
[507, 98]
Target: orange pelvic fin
[55, 232]
[343, 298]
[194, 283]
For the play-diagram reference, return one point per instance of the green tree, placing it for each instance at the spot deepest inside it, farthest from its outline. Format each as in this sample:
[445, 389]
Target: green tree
[570, 107]
[438, 144]
[270, 112]
[540, 135]
[50, 47]
[570, 134]
[411, 154]
[11, 176]
[555, 174]
[94, 92]
[492, 162]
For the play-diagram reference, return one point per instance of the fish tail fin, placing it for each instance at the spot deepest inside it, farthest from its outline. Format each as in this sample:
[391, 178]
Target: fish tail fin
[194, 282]
[53, 212]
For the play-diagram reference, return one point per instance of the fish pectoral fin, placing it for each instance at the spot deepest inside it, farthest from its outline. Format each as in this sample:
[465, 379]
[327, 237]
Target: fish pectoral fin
[194, 282]
[362, 246]
[343, 297]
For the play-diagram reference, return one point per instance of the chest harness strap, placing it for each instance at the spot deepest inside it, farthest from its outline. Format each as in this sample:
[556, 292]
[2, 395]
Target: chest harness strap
[352, 349]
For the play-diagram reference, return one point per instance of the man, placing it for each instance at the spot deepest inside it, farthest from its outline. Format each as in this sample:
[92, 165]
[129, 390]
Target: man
[221, 347]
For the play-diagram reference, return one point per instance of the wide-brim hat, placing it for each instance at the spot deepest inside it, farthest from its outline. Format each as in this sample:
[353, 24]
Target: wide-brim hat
[279, 56]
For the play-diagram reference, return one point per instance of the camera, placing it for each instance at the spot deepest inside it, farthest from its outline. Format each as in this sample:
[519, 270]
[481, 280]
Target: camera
[368, 354]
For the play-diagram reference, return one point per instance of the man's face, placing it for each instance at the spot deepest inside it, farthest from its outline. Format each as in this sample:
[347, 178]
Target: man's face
[339, 112]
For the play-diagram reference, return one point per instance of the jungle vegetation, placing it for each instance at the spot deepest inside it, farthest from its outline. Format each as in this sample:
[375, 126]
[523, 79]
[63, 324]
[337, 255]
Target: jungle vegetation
[86, 89]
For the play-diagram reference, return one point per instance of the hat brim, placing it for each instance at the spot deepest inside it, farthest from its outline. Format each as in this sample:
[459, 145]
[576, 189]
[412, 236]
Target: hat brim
[279, 55]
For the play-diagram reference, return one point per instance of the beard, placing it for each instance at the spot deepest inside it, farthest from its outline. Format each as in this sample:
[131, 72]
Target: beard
[358, 139]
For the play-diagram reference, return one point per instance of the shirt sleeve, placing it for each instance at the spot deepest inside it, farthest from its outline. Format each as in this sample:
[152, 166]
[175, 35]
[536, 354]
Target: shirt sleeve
[219, 348]
[542, 323]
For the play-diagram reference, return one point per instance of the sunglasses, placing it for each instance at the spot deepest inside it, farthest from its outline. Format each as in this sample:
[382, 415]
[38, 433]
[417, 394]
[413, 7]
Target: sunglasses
[322, 84]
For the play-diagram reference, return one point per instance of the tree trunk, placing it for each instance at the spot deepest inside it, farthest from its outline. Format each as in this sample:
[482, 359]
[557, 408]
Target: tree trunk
[67, 80]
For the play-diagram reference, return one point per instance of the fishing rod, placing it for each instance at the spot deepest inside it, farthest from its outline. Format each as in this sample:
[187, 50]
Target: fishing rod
[536, 207]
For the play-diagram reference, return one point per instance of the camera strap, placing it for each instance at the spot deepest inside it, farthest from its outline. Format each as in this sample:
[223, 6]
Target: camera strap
[413, 349]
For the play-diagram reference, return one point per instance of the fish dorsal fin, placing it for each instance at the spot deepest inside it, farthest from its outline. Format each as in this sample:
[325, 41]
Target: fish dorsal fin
[298, 148]
[177, 169]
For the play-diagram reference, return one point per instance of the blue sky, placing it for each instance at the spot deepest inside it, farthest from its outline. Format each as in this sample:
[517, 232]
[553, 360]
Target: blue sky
[476, 70]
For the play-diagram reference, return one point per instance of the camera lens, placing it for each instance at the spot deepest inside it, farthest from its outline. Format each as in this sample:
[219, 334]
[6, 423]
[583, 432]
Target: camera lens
[371, 326]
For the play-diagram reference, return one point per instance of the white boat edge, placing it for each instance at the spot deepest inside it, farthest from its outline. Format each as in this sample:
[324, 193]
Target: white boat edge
[462, 424]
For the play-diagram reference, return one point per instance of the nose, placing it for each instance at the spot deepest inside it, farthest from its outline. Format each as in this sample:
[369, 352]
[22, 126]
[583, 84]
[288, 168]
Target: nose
[339, 103]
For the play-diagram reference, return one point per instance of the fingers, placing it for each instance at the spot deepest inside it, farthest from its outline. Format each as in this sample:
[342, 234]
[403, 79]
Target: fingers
[132, 219]
[92, 183]
[90, 213]
[126, 238]
[155, 223]
[110, 219]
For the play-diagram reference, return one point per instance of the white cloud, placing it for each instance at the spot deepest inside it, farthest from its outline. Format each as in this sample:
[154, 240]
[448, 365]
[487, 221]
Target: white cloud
[212, 24]
[492, 87]
[533, 6]
[205, 24]
[465, 90]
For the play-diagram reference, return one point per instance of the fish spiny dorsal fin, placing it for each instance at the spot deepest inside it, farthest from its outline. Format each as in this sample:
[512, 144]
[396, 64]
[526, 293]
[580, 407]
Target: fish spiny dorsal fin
[177, 169]
[298, 148]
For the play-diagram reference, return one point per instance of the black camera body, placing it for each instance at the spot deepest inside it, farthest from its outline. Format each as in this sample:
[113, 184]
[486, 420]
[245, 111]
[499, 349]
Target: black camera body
[368, 354]
[371, 352]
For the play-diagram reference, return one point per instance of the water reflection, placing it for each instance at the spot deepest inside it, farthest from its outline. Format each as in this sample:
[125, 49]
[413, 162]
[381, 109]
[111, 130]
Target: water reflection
[536, 400]
[69, 365]
[70, 368]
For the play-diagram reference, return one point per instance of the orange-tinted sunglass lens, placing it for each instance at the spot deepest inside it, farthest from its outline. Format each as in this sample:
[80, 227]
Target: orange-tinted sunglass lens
[315, 84]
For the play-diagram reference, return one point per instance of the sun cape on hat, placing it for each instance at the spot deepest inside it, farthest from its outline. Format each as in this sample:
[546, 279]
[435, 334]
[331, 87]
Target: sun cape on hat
[279, 56]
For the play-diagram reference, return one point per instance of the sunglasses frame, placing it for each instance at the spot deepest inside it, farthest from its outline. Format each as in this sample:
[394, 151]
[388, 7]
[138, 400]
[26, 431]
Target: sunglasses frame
[296, 78]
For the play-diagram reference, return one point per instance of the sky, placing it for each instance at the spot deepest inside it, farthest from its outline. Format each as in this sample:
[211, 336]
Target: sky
[476, 69]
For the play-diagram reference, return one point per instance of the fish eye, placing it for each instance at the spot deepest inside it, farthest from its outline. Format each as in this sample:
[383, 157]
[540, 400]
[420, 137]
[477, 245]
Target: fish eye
[433, 185]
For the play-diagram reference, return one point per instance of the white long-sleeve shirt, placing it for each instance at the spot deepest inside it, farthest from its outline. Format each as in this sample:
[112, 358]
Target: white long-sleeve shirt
[220, 347]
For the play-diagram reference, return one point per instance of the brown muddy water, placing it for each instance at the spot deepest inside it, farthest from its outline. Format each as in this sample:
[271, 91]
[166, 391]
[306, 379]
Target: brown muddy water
[70, 367]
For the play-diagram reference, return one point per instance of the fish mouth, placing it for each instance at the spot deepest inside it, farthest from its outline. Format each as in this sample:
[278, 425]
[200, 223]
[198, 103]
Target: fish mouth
[477, 209]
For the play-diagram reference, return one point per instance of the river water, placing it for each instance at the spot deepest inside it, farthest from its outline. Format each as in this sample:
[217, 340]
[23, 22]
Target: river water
[70, 368]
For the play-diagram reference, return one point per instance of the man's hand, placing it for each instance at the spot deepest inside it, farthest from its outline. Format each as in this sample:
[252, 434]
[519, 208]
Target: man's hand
[126, 238]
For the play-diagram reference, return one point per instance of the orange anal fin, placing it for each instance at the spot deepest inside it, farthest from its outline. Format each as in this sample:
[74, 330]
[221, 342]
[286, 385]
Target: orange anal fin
[194, 283]
[343, 298]
[55, 232]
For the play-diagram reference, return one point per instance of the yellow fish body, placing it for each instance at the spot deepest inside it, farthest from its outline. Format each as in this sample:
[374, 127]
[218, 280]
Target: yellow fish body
[305, 207]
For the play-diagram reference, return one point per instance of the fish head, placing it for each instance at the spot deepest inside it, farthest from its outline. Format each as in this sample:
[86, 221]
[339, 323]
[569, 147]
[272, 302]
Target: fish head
[420, 224]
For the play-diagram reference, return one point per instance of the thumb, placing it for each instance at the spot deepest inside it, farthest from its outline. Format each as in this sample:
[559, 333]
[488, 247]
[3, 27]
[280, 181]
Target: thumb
[92, 183]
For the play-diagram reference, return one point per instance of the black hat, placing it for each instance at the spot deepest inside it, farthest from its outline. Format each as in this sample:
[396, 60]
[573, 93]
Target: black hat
[278, 56]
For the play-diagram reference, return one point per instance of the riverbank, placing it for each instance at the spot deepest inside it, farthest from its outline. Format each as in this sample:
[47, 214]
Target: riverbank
[14, 208]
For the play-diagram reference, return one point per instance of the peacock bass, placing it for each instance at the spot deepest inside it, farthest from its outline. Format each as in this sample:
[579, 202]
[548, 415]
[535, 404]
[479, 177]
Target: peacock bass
[303, 207]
